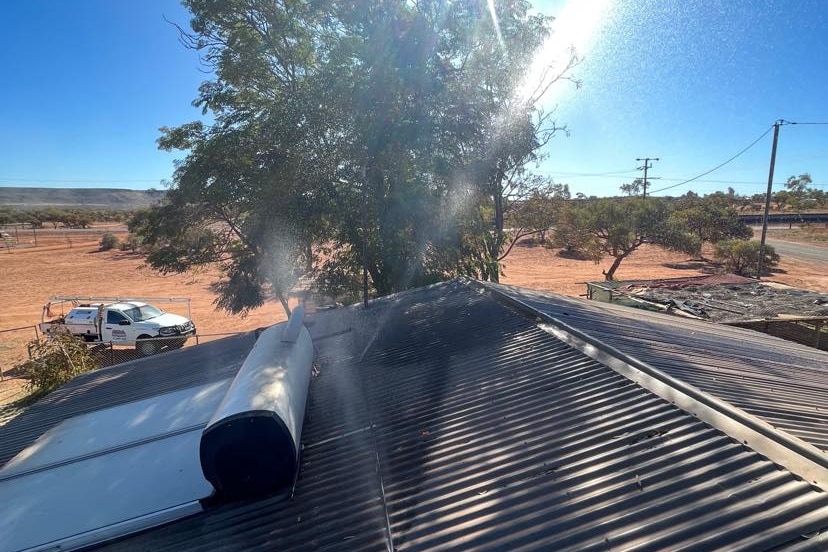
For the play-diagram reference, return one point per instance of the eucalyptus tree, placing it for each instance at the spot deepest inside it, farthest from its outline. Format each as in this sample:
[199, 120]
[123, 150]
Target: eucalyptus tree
[343, 134]
[617, 227]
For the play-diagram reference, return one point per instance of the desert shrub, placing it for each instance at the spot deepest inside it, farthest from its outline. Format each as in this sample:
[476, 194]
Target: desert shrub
[55, 359]
[131, 243]
[742, 256]
[108, 241]
[574, 243]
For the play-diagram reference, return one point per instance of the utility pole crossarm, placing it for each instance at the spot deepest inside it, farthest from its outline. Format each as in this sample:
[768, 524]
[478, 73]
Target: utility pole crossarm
[647, 165]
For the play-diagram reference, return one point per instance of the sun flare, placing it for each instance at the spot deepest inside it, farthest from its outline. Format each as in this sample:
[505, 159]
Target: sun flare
[574, 31]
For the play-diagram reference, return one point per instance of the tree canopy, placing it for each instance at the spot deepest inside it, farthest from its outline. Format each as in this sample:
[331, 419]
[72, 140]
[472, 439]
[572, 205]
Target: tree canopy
[407, 125]
[712, 218]
[633, 188]
[57, 216]
[619, 226]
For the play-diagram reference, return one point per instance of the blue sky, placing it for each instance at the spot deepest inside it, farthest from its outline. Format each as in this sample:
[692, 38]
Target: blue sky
[87, 84]
[693, 82]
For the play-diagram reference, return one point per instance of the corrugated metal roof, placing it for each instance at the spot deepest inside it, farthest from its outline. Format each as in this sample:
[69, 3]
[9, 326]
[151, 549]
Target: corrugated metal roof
[677, 283]
[465, 426]
[447, 421]
[782, 382]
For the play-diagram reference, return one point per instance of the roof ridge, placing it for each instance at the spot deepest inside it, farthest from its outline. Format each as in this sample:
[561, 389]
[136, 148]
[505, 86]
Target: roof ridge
[800, 458]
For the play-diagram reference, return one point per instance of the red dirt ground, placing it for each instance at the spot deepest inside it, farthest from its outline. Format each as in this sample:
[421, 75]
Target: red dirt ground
[31, 275]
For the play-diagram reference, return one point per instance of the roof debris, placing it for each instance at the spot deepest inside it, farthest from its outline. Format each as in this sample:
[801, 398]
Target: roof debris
[724, 298]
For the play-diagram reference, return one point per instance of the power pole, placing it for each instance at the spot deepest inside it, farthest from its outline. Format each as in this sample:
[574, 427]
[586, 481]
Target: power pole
[647, 165]
[761, 261]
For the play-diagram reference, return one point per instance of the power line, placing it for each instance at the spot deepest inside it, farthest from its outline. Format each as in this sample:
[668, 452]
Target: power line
[669, 179]
[609, 174]
[717, 166]
[579, 174]
[735, 183]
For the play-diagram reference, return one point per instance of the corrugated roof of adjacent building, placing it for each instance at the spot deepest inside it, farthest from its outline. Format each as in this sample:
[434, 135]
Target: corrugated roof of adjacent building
[443, 419]
[725, 298]
[678, 283]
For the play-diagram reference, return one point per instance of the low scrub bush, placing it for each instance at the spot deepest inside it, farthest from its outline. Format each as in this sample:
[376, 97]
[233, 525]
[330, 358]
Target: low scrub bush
[131, 243]
[109, 241]
[55, 359]
[742, 256]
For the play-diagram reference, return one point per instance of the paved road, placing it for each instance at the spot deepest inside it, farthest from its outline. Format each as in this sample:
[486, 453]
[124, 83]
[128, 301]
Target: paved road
[806, 252]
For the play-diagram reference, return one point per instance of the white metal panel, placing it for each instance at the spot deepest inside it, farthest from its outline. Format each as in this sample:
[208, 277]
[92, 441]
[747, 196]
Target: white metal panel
[91, 500]
[119, 426]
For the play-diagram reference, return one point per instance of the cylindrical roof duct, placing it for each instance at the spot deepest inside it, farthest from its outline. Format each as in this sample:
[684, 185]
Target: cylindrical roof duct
[251, 445]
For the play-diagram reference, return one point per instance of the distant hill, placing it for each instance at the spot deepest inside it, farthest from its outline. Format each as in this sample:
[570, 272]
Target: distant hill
[78, 198]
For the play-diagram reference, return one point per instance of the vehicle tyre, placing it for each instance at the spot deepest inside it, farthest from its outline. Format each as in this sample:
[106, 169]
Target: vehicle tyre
[178, 343]
[145, 347]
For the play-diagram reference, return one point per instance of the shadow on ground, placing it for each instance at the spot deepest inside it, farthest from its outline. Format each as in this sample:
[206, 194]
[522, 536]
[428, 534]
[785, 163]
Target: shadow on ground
[573, 254]
[701, 265]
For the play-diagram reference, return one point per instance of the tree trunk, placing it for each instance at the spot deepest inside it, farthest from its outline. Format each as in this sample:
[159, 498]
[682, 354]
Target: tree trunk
[283, 300]
[380, 280]
[497, 242]
[498, 203]
[608, 275]
[309, 257]
[494, 271]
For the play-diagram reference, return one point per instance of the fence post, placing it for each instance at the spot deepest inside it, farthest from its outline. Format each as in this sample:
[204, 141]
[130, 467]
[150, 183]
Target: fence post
[111, 354]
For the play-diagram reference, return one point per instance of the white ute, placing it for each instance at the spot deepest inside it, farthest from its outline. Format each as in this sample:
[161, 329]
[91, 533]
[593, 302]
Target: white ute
[123, 323]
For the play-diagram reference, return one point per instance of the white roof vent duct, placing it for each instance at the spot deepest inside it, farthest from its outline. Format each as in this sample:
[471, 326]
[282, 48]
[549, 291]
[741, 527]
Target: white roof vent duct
[251, 445]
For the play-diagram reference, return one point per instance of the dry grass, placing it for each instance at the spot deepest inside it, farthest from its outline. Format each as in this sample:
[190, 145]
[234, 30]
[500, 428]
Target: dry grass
[807, 234]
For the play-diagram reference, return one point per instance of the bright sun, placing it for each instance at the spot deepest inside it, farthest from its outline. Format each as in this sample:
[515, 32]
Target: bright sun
[575, 26]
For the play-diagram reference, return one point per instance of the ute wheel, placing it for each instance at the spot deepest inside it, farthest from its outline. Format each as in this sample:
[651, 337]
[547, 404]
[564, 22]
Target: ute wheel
[146, 347]
[177, 343]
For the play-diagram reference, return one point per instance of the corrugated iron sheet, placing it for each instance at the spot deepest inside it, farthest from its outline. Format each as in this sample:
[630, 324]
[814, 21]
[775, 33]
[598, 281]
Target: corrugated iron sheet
[678, 283]
[784, 383]
[448, 422]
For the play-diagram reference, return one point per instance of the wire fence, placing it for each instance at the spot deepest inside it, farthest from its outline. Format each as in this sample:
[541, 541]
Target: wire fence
[14, 344]
[111, 353]
[21, 237]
